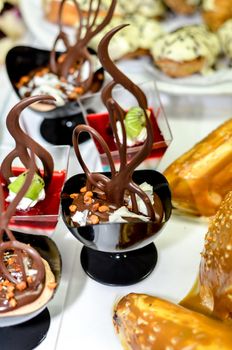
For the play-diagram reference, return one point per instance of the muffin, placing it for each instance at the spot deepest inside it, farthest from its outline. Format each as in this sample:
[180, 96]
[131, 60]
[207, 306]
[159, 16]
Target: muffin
[147, 8]
[216, 12]
[185, 7]
[136, 40]
[188, 50]
[225, 37]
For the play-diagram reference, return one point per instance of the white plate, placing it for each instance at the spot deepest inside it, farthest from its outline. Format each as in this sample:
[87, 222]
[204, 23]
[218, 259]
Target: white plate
[219, 82]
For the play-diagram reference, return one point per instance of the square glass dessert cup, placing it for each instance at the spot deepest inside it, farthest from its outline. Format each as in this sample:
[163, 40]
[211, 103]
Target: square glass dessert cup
[96, 115]
[118, 253]
[43, 217]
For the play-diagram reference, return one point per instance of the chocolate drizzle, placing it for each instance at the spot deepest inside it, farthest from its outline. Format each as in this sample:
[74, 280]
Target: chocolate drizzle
[21, 254]
[78, 54]
[121, 181]
[24, 143]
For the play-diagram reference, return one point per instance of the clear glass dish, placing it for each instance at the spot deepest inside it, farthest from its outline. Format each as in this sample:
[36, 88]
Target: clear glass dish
[96, 115]
[43, 217]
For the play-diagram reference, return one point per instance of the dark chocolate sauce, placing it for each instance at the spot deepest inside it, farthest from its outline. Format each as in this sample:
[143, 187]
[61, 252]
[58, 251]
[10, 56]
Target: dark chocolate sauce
[24, 144]
[78, 54]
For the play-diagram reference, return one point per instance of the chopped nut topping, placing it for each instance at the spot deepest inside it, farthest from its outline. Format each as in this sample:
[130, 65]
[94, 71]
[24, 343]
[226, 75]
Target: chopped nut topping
[103, 208]
[94, 219]
[21, 286]
[52, 285]
[72, 208]
[74, 195]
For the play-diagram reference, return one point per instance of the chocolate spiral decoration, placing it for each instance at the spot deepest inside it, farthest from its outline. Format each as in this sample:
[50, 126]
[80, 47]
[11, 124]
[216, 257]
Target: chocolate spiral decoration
[19, 250]
[24, 143]
[121, 181]
[78, 53]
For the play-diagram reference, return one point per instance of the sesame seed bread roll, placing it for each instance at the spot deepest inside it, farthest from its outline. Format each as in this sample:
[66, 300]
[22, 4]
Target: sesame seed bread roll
[145, 322]
[216, 263]
[201, 177]
[216, 12]
[185, 7]
[188, 50]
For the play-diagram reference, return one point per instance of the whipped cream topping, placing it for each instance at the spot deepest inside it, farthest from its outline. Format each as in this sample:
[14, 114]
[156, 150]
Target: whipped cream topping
[139, 139]
[25, 202]
[225, 36]
[121, 213]
[187, 44]
[80, 217]
[50, 84]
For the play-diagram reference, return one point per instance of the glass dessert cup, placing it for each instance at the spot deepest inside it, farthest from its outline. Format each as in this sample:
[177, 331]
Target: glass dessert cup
[28, 330]
[118, 253]
[58, 122]
[43, 217]
[96, 116]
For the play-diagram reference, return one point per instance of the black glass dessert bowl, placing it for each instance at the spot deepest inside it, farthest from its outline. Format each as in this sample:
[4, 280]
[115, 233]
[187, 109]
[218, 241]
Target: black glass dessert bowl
[58, 122]
[48, 250]
[118, 253]
[30, 329]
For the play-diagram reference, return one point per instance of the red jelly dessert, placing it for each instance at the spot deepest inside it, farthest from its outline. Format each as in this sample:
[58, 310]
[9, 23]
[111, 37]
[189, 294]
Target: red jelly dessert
[37, 212]
[43, 217]
[100, 122]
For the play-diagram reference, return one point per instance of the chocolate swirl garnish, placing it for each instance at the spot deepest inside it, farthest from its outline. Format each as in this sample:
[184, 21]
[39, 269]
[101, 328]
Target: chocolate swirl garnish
[120, 181]
[17, 257]
[24, 143]
[78, 54]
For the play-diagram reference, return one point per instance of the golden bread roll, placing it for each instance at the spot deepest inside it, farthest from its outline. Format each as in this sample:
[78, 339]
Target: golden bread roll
[216, 263]
[144, 322]
[201, 177]
[185, 7]
[188, 50]
[216, 12]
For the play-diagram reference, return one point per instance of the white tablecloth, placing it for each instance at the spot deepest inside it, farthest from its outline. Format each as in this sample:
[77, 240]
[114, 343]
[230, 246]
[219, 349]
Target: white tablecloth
[82, 308]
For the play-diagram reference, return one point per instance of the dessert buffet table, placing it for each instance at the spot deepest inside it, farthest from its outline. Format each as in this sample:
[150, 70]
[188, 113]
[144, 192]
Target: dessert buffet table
[81, 311]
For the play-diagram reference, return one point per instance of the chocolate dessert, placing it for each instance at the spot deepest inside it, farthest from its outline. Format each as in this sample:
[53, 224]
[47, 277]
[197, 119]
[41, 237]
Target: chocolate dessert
[116, 214]
[132, 202]
[105, 199]
[26, 280]
[74, 72]
[43, 195]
